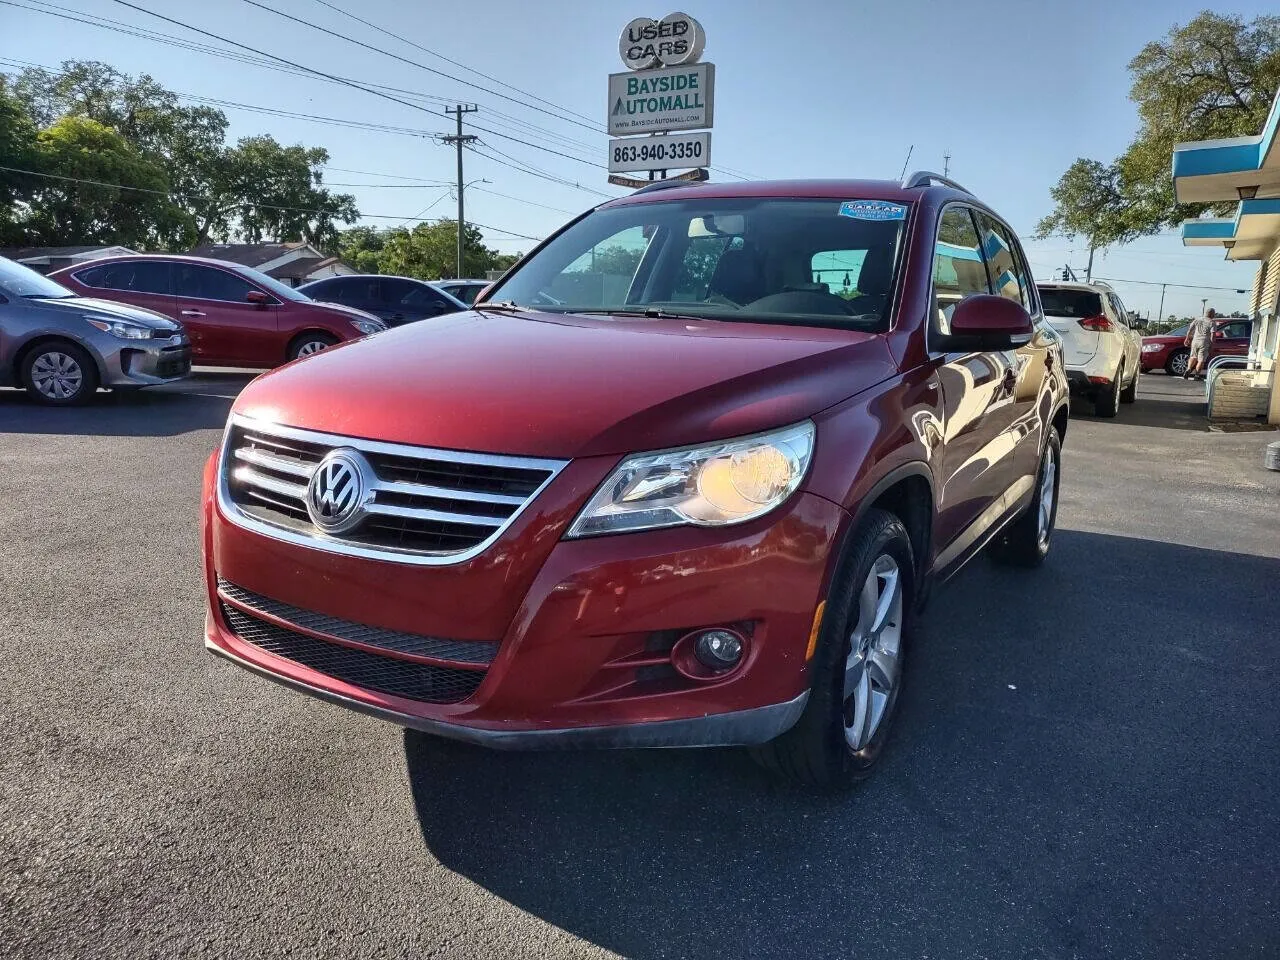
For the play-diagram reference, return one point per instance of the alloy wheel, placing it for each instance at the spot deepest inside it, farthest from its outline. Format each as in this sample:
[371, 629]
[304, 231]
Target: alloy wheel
[57, 375]
[1178, 364]
[1048, 495]
[310, 347]
[872, 666]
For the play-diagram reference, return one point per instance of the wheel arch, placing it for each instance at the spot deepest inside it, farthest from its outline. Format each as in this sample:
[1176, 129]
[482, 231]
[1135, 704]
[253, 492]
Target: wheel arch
[303, 334]
[907, 492]
[23, 350]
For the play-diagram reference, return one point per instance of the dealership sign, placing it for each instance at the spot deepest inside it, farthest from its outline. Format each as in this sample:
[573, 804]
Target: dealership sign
[657, 101]
[675, 39]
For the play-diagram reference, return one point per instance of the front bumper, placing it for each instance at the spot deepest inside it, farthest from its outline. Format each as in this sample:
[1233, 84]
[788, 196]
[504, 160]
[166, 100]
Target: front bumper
[143, 363]
[581, 632]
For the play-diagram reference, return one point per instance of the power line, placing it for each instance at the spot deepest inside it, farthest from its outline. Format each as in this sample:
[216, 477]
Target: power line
[417, 46]
[262, 206]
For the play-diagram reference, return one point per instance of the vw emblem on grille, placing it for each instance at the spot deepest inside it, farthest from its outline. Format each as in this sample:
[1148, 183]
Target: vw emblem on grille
[338, 491]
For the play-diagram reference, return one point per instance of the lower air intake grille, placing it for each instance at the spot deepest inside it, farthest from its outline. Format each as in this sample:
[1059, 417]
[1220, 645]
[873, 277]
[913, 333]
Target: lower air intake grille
[399, 678]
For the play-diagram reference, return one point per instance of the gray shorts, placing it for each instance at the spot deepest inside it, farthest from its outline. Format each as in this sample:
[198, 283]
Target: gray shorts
[1200, 350]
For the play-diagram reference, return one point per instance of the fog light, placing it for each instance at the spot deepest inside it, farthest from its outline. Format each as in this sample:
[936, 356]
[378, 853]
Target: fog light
[718, 649]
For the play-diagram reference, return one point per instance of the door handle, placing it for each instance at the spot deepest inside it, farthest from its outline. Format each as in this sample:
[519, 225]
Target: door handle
[193, 313]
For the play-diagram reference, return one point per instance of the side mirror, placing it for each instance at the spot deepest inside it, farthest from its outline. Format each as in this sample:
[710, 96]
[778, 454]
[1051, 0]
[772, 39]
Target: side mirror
[257, 297]
[985, 322]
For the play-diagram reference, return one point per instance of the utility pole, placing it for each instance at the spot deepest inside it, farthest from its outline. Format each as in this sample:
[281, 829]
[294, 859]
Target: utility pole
[460, 141]
[946, 164]
[1088, 270]
[1160, 312]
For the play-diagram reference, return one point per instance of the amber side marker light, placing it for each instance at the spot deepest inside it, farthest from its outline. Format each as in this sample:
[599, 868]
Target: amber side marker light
[813, 633]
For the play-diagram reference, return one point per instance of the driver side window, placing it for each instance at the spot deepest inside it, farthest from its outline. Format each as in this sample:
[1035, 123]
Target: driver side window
[603, 274]
[959, 271]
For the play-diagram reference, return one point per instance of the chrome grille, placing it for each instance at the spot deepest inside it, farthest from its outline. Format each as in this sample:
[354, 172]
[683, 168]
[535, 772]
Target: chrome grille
[423, 505]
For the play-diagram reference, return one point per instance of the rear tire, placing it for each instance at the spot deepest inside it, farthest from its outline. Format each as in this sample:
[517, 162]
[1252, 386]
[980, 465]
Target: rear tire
[854, 693]
[1130, 393]
[1106, 403]
[58, 373]
[1025, 541]
[1177, 364]
[308, 344]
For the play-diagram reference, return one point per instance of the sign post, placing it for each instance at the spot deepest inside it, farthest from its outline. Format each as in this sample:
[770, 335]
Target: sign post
[667, 90]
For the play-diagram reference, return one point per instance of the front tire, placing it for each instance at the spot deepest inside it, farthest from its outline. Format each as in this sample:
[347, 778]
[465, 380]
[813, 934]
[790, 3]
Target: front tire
[309, 344]
[60, 374]
[856, 671]
[1025, 542]
[1177, 364]
[1130, 393]
[1107, 402]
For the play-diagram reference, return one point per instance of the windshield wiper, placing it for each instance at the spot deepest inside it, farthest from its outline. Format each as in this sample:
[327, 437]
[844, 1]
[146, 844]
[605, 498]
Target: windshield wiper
[507, 305]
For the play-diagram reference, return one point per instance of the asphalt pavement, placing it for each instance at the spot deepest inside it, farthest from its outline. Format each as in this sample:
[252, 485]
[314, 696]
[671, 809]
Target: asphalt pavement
[1085, 766]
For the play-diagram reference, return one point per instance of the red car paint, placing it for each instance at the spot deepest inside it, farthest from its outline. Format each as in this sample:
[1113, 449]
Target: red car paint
[1230, 339]
[574, 621]
[237, 333]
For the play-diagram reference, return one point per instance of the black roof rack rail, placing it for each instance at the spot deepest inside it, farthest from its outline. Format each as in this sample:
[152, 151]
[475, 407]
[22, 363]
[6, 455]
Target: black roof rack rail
[922, 178]
[667, 185]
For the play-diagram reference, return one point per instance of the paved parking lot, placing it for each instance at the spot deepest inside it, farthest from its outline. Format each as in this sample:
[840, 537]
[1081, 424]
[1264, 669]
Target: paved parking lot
[1086, 765]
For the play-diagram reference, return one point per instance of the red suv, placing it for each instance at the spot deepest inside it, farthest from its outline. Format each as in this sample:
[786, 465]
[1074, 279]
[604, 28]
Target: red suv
[683, 478]
[235, 316]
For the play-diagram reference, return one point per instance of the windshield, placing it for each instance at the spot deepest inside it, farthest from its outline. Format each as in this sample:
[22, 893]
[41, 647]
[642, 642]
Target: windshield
[281, 290]
[810, 262]
[19, 281]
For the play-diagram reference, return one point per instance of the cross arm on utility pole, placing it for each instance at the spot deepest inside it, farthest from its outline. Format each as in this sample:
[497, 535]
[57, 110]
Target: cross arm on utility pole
[460, 140]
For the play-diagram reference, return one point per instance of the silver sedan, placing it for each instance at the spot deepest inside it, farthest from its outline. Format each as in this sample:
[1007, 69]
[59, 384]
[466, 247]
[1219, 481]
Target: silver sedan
[62, 347]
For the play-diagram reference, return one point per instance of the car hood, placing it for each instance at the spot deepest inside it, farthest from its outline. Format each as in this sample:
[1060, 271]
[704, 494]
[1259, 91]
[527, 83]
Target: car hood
[345, 312]
[111, 308]
[553, 385]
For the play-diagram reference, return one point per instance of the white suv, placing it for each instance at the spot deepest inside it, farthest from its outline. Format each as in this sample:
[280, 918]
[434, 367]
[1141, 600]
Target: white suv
[1100, 349]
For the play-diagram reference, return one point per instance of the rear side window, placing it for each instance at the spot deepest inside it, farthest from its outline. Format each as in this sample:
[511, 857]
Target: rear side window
[1238, 330]
[1078, 304]
[406, 293]
[958, 268]
[133, 276]
[838, 270]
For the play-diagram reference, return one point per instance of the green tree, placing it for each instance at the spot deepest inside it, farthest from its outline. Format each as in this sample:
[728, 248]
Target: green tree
[1214, 77]
[430, 251]
[222, 191]
[18, 151]
[361, 247]
[505, 261]
[76, 150]
[616, 260]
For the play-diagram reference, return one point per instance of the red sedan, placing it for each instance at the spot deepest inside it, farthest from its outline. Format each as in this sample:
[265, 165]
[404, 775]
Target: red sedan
[1169, 352]
[235, 316]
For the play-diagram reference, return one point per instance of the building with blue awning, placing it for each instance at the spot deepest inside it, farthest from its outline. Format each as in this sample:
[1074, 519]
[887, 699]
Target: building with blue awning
[1245, 170]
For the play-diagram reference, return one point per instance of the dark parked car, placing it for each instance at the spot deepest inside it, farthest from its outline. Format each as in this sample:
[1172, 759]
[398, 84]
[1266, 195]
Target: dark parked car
[235, 315]
[1169, 352]
[464, 290]
[62, 347]
[692, 496]
[394, 300]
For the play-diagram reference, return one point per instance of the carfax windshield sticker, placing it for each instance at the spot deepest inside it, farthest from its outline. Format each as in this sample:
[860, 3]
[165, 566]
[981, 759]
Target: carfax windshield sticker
[873, 210]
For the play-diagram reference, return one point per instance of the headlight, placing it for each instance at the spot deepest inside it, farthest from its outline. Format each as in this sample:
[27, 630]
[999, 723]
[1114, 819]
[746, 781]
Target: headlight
[120, 328]
[369, 326]
[1152, 347]
[710, 486]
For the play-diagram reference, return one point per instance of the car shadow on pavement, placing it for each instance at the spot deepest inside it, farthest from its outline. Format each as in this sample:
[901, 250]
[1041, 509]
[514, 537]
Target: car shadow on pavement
[1163, 401]
[201, 402]
[1084, 766]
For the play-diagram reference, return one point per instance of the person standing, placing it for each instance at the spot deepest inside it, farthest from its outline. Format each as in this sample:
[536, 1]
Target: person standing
[1199, 338]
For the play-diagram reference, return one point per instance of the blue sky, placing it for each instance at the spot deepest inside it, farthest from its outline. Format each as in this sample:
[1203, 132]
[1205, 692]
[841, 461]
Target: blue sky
[824, 88]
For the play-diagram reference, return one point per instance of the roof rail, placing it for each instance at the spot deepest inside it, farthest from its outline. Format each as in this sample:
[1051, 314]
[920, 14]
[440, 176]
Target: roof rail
[922, 178]
[667, 185]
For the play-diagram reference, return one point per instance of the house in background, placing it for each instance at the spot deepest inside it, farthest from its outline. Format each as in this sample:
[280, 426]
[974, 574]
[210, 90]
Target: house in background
[48, 259]
[290, 263]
